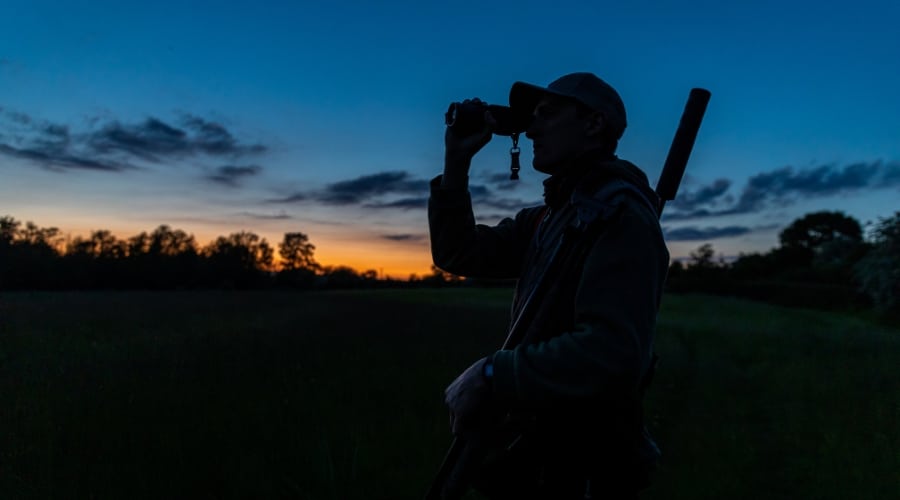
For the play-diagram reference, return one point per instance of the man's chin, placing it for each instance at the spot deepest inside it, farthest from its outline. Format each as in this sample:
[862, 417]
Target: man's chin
[543, 167]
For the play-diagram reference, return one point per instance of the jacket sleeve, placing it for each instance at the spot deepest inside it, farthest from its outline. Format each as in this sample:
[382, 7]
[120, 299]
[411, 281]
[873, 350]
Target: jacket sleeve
[462, 247]
[610, 347]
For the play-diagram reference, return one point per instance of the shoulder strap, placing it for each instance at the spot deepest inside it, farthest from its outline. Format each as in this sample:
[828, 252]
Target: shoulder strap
[537, 220]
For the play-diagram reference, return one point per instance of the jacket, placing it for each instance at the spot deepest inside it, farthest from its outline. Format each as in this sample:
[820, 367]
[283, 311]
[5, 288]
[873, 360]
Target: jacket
[580, 369]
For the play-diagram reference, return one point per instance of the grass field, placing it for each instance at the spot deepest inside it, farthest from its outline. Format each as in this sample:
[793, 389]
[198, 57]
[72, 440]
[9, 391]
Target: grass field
[338, 395]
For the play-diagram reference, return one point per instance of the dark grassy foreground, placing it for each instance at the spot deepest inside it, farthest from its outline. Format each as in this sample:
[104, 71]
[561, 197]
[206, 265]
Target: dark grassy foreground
[338, 395]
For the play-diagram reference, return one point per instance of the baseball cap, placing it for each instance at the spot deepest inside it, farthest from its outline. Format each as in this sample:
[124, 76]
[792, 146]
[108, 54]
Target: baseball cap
[585, 88]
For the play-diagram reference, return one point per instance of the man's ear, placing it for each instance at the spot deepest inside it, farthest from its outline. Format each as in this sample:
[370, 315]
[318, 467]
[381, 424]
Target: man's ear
[595, 124]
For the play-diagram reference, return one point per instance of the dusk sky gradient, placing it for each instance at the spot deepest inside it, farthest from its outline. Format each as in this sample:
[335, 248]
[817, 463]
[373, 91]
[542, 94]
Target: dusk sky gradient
[327, 117]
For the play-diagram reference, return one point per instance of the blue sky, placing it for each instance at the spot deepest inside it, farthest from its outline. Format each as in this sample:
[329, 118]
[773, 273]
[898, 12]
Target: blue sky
[326, 117]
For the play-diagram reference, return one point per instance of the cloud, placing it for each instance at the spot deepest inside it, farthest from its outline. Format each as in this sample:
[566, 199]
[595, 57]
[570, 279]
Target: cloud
[154, 140]
[379, 190]
[147, 141]
[291, 198]
[403, 237]
[694, 233]
[485, 198]
[486, 218]
[477, 191]
[403, 203]
[670, 216]
[397, 190]
[497, 178]
[54, 160]
[213, 139]
[16, 116]
[891, 176]
[111, 145]
[510, 204]
[785, 186]
[501, 181]
[689, 200]
[230, 175]
[278, 216]
[367, 186]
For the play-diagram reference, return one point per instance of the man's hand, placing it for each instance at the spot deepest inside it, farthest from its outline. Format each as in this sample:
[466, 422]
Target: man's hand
[469, 399]
[459, 151]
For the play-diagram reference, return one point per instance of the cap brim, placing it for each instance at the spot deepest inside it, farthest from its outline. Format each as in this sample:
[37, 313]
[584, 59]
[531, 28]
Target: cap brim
[524, 97]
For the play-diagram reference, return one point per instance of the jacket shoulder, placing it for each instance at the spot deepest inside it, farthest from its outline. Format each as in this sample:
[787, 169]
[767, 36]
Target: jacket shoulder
[595, 203]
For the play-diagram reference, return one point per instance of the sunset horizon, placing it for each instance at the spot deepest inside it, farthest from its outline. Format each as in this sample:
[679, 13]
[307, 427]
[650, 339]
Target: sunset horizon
[309, 119]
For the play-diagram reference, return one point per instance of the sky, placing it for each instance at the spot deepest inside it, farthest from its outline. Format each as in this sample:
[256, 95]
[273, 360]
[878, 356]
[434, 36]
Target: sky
[327, 117]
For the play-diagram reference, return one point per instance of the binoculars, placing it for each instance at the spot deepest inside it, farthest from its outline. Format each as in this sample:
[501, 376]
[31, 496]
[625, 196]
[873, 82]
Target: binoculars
[467, 117]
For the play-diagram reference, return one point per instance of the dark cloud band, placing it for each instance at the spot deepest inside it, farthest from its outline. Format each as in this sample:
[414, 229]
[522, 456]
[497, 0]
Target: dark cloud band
[116, 146]
[693, 233]
[403, 237]
[365, 187]
[392, 190]
[55, 160]
[231, 175]
[784, 186]
[403, 203]
[278, 216]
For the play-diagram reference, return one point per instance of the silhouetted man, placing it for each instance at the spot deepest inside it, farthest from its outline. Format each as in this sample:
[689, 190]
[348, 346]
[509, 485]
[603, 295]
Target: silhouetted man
[570, 395]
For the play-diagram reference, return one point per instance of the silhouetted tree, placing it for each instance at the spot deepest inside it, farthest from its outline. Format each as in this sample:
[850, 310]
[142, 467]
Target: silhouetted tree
[165, 258]
[702, 273]
[340, 277]
[820, 247]
[46, 238]
[752, 266]
[8, 229]
[814, 233]
[676, 271]
[240, 260]
[879, 270]
[298, 266]
[80, 268]
[105, 246]
[297, 252]
[815, 259]
[171, 242]
[28, 254]
[702, 258]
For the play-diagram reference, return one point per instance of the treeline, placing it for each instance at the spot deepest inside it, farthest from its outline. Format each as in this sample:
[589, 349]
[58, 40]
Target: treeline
[824, 260]
[39, 258]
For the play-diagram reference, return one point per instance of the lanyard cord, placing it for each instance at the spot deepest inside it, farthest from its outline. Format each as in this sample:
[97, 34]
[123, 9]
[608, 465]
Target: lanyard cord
[514, 154]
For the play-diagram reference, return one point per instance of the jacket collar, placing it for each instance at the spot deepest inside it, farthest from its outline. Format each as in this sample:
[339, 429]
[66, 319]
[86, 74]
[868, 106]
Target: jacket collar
[558, 187]
[590, 171]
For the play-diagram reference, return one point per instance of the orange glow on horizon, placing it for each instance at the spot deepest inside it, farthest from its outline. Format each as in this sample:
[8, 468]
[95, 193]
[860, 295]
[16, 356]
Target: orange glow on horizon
[389, 259]
[385, 270]
[334, 246]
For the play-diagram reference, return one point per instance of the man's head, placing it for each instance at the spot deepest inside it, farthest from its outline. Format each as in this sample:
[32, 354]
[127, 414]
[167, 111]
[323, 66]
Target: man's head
[575, 114]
